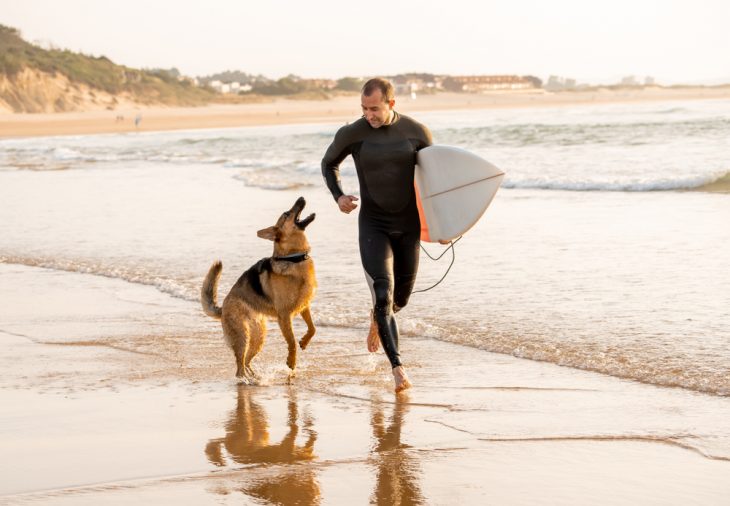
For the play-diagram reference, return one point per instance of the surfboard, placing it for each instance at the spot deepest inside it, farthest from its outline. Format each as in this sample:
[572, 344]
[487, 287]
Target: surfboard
[453, 187]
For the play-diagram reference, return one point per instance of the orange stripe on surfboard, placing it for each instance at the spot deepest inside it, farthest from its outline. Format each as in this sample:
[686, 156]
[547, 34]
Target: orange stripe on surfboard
[424, 224]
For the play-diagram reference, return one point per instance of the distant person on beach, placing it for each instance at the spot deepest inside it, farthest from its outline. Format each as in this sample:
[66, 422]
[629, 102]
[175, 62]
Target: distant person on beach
[383, 144]
[137, 120]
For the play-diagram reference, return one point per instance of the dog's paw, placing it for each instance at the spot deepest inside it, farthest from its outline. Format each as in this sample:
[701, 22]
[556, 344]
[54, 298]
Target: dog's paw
[291, 362]
[304, 341]
[290, 377]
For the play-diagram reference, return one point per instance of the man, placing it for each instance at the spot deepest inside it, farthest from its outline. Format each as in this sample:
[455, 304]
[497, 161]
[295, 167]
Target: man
[383, 144]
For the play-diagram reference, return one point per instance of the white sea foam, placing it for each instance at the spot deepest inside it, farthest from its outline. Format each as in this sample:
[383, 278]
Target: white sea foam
[664, 184]
[176, 288]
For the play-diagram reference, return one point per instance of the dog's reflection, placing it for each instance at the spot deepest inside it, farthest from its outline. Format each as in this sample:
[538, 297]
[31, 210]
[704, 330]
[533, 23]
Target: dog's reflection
[396, 469]
[247, 441]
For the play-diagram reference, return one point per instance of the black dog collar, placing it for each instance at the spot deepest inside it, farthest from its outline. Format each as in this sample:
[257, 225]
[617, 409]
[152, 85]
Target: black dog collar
[295, 258]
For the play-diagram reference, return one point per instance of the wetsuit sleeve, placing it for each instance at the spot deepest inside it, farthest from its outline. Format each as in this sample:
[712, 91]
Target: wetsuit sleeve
[338, 151]
[427, 139]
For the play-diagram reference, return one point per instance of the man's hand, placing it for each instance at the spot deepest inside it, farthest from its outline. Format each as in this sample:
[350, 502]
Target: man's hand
[347, 203]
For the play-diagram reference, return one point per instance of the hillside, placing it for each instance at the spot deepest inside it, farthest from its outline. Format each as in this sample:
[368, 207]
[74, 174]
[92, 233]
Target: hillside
[33, 79]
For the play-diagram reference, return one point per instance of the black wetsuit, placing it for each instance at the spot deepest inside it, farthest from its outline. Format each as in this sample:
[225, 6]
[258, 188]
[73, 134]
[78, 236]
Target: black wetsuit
[390, 229]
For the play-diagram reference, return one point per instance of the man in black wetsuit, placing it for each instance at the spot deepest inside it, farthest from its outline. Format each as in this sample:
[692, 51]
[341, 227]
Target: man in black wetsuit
[383, 144]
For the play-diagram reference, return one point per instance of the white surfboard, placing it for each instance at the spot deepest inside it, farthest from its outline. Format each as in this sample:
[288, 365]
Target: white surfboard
[454, 187]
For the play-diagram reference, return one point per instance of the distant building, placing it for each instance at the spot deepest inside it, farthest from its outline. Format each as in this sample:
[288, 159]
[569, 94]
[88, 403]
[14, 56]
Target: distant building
[629, 81]
[649, 81]
[327, 84]
[407, 88]
[233, 87]
[492, 83]
[410, 84]
[557, 83]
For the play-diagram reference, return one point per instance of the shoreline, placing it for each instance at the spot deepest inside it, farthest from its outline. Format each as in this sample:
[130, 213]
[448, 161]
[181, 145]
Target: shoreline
[336, 110]
[551, 426]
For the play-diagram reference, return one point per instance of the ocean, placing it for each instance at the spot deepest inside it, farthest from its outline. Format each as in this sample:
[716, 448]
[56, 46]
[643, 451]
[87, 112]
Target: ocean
[602, 251]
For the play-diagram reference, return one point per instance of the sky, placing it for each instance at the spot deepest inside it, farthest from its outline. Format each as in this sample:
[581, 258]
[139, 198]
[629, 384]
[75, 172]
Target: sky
[674, 41]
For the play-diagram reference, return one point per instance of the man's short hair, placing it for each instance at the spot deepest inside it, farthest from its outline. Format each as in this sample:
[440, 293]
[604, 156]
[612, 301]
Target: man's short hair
[378, 83]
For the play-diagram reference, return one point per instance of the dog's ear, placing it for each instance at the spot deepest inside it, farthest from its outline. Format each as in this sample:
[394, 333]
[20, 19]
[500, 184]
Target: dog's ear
[271, 233]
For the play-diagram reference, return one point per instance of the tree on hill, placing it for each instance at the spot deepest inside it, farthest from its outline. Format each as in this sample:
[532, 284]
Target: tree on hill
[231, 76]
[350, 84]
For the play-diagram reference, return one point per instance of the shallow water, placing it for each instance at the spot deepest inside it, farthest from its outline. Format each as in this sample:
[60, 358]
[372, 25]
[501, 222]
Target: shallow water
[114, 392]
[576, 262]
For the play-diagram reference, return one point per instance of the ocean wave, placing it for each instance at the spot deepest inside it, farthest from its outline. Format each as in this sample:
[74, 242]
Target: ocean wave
[665, 184]
[721, 183]
[629, 133]
[673, 110]
[645, 367]
[174, 287]
[67, 154]
[269, 181]
[656, 367]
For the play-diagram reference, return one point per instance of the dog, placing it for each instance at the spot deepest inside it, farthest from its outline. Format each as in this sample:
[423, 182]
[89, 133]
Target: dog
[280, 286]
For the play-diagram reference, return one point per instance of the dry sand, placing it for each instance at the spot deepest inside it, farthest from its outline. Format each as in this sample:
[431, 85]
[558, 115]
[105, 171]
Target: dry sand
[114, 393]
[336, 110]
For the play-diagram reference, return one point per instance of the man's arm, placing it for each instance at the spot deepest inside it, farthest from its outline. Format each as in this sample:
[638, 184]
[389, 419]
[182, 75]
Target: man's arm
[338, 151]
[427, 138]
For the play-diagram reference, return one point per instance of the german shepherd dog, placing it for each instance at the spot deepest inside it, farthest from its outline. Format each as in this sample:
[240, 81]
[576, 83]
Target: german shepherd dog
[280, 286]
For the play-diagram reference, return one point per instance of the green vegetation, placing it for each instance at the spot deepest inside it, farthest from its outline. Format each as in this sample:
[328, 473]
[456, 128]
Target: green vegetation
[98, 73]
[289, 85]
[354, 84]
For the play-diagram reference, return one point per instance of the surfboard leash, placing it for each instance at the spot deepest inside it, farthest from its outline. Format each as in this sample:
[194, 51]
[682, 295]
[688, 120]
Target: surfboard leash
[453, 258]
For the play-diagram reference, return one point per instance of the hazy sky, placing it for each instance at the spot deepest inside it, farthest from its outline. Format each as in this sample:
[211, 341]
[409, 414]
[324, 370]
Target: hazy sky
[672, 40]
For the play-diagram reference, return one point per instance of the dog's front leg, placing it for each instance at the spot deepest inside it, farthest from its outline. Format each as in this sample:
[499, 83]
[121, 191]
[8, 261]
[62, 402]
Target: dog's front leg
[288, 333]
[307, 317]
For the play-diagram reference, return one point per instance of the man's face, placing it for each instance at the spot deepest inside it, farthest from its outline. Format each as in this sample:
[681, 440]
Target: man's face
[375, 109]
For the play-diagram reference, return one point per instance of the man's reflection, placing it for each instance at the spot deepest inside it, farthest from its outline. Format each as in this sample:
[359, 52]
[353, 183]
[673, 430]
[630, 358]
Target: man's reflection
[247, 442]
[397, 470]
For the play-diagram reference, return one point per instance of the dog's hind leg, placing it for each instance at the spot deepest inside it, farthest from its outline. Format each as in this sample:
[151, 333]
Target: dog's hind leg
[311, 329]
[257, 334]
[288, 333]
[237, 337]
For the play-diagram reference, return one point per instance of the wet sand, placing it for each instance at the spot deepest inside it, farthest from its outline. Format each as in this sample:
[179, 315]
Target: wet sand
[722, 185]
[115, 393]
[337, 110]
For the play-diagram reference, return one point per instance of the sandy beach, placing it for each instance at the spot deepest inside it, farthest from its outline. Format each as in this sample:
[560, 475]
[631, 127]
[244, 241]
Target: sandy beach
[150, 415]
[337, 110]
[117, 389]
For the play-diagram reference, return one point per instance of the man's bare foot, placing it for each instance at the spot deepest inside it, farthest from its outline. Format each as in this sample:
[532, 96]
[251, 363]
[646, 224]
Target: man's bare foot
[373, 336]
[401, 379]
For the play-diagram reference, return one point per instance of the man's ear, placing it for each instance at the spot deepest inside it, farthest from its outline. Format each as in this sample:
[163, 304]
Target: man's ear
[271, 233]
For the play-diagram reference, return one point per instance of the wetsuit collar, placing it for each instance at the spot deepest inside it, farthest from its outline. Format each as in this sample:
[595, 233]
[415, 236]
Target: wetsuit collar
[393, 118]
[294, 258]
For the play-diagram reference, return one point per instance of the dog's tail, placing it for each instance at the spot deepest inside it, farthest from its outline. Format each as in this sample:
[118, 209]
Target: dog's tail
[209, 291]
